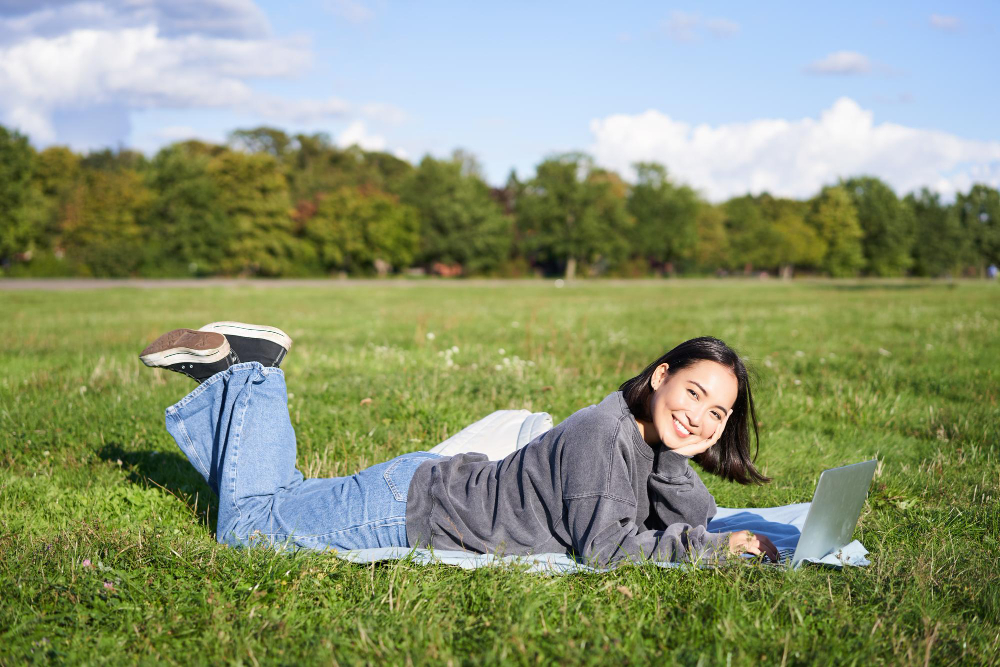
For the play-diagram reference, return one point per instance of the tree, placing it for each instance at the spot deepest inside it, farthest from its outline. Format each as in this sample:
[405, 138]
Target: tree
[886, 223]
[712, 248]
[20, 199]
[253, 196]
[797, 244]
[316, 166]
[832, 215]
[666, 217]
[753, 240]
[262, 139]
[360, 230]
[571, 211]
[459, 222]
[979, 216]
[101, 230]
[186, 229]
[941, 244]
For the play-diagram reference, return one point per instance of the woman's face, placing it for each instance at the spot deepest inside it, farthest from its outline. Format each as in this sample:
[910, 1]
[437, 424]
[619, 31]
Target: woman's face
[689, 404]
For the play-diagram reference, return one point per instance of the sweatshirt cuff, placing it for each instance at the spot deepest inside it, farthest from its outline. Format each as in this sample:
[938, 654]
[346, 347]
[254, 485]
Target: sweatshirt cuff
[671, 464]
[714, 548]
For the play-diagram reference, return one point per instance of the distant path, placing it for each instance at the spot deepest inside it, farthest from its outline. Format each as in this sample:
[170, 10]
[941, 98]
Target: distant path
[69, 284]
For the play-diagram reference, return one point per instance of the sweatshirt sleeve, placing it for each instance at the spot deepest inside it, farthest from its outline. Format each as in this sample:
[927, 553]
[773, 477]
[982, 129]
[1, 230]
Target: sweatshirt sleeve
[604, 532]
[677, 494]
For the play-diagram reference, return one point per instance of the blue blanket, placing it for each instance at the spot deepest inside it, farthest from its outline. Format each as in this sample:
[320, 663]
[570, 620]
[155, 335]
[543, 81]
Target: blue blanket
[782, 525]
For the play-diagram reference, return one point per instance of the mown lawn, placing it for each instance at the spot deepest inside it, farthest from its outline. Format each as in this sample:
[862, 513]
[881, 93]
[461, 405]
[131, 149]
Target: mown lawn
[907, 372]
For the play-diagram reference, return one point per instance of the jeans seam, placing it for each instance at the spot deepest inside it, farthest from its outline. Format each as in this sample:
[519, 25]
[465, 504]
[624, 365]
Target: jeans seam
[194, 450]
[236, 449]
[392, 486]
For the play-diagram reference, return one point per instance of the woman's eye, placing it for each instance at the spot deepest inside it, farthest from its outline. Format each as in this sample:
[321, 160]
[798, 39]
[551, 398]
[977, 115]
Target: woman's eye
[717, 415]
[693, 394]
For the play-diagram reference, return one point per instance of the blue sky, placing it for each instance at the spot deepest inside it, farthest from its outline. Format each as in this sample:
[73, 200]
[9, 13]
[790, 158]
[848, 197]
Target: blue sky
[732, 97]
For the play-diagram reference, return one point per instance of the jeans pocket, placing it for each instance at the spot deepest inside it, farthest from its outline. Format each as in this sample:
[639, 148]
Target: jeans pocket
[400, 472]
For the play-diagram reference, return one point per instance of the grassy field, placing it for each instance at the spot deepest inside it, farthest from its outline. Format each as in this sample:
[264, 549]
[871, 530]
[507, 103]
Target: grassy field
[907, 372]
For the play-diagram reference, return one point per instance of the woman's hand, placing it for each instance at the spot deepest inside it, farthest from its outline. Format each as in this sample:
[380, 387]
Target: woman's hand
[745, 541]
[698, 447]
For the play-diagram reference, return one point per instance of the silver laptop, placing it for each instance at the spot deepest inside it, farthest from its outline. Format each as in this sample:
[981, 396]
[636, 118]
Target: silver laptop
[834, 512]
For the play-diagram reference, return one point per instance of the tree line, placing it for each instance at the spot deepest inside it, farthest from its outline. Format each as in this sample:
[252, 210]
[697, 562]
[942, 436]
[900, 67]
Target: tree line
[270, 204]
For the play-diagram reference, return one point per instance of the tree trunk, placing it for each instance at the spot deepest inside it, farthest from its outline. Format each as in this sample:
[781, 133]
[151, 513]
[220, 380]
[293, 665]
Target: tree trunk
[786, 271]
[570, 268]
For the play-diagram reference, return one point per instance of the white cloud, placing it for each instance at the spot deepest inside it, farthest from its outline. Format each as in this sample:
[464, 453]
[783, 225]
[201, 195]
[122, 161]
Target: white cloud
[687, 27]
[795, 158]
[946, 23]
[47, 18]
[356, 134]
[136, 67]
[57, 57]
[841, 62]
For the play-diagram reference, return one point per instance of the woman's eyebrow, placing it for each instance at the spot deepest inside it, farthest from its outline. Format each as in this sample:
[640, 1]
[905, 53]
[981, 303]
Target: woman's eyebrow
[705, 393]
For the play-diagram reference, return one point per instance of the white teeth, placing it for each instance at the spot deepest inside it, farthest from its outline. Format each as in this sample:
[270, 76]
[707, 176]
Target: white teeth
[680, 427]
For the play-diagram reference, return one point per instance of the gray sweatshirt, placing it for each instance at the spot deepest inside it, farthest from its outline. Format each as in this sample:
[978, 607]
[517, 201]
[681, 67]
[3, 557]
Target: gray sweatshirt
[590, 487]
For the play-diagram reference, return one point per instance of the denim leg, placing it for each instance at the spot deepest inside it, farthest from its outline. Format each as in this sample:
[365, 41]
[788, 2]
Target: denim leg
[235, 430]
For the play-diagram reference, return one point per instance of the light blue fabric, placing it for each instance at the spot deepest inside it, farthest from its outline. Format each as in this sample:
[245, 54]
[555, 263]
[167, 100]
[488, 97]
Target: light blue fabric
[235, 430]
[782, 524]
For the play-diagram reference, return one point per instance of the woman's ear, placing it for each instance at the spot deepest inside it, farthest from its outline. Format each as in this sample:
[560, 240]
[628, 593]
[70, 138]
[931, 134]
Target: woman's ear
[659, 373]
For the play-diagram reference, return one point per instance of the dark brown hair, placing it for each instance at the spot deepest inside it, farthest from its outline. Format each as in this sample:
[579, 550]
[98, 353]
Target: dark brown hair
[729, 458]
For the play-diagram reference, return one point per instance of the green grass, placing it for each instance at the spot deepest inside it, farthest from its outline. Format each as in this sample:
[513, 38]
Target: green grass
[908, 372]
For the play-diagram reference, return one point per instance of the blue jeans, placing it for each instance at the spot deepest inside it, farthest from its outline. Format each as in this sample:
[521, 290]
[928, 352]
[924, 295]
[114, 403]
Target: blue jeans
[235, 430]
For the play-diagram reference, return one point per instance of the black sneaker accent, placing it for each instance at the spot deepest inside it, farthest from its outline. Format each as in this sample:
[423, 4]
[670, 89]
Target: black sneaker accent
[197, 354]
[253, 342]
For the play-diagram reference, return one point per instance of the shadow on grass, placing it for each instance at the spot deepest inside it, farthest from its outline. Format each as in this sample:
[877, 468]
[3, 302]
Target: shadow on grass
[169, 472]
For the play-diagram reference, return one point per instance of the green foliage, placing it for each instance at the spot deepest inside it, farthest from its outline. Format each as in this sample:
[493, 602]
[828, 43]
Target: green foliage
[887, 224]
[107, 535]
[753, 240]
[101, 232]
[666, 217]
[246, 208]
[979, 215]
[186, 227]
[573, 212]
[712, 248]
[942, 245]
[362, 230]
[460, 223]
[253, 197]
[833, 216]
[19, 197]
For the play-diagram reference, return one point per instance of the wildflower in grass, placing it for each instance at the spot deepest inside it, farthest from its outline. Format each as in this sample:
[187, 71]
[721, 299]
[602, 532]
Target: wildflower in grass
[86, 563]
[799, 353]
[430, 335]
[884, 352]
[109, 586]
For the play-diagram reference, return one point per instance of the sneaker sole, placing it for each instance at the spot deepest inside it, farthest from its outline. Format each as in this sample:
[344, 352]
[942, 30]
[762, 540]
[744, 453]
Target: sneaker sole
[185, 346]
[273, 334]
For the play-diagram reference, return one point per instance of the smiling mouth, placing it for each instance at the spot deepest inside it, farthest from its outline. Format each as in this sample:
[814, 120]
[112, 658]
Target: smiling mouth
[680, 430]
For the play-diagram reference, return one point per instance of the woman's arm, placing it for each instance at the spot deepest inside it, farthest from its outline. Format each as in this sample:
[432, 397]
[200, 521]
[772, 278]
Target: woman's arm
[603, 532]
[679, 496]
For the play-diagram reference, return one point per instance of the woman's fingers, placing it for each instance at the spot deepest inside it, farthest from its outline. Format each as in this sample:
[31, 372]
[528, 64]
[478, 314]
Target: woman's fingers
[744, 541]
[766, 546]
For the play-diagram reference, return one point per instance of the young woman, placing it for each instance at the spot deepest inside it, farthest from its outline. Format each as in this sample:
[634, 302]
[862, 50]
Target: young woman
[611, 483]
